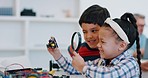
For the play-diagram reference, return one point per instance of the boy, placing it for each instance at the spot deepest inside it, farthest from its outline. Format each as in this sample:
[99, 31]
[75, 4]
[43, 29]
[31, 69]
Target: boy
[90, 21]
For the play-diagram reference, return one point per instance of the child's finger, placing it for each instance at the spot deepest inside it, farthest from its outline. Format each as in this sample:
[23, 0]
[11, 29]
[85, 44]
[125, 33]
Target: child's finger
[71, 50]
[74, 53]
[51, 49]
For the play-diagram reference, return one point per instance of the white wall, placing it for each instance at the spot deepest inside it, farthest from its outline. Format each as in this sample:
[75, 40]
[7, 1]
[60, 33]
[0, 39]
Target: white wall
[55, 8]
[118, 7]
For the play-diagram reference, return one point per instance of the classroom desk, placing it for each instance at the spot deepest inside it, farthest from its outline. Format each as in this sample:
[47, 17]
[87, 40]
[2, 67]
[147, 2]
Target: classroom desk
[61, 72]
[144, 74]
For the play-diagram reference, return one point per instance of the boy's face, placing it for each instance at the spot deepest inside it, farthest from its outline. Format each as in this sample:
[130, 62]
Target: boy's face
[108, 44]
[91, 33]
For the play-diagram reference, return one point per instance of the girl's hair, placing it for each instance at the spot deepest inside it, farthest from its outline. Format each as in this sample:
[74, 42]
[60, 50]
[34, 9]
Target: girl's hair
[127, 22]
[94, 14]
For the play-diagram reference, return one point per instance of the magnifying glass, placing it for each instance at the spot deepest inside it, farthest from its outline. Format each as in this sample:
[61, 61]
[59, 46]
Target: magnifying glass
[76, 41]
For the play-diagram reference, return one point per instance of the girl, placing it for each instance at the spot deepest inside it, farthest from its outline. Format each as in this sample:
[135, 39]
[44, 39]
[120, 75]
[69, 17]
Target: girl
[115, 38]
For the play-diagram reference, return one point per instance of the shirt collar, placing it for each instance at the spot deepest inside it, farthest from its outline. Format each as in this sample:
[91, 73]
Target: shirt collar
[120, 57]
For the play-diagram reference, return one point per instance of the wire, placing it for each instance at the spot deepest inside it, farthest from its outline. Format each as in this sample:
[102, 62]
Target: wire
[13, 65]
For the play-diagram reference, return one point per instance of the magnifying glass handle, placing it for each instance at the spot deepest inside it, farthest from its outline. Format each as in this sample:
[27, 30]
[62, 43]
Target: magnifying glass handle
[70, 50]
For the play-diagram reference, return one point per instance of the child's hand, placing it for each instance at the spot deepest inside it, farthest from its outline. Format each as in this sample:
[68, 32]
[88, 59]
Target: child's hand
[144, 66]
[78, 62]
[53, 48]
[55, 52]
[70, 50]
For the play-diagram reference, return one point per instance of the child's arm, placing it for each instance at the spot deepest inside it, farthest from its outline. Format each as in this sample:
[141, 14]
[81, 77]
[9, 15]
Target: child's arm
[55, 53]
[66, 65]
[125, 69]
[120, 68]
[78, 62]
[52, 48]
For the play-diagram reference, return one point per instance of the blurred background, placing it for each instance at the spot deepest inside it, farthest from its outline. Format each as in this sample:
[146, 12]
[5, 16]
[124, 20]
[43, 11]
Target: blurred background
[27, 25]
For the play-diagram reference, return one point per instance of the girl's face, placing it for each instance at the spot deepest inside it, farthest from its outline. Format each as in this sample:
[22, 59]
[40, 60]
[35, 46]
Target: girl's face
[108, 43]
[91, 33]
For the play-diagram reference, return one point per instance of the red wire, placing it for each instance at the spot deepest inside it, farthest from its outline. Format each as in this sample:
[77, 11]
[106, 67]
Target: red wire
[13, 65]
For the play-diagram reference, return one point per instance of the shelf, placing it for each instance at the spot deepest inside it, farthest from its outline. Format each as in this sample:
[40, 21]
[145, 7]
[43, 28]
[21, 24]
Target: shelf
[38, 49]
[44, 8]
[28, 35]
[38, 19]
[13, 49]
[44, 48]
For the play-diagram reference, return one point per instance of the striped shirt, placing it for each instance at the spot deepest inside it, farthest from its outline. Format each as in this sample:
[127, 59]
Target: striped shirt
[123, 66]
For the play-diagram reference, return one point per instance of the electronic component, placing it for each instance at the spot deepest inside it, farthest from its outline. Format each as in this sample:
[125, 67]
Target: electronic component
[52, 43]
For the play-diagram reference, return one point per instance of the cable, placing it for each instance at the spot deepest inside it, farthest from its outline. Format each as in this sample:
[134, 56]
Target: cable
[14, 64]
[5, 73]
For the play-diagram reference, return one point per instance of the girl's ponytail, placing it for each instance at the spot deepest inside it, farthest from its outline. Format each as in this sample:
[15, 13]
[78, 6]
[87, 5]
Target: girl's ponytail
[130, 17]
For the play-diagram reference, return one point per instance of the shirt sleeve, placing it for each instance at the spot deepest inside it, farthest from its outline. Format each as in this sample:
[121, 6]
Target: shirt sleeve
[125, 69]
[66, 65]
